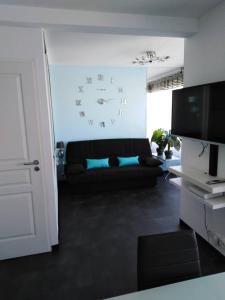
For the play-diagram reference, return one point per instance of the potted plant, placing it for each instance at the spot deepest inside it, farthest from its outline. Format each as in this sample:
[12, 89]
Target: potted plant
[171, 142]
[158, 137]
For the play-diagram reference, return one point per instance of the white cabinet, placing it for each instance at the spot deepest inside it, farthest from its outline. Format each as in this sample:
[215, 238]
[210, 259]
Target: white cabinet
[192, 211]
[202, 210]
[216, 229]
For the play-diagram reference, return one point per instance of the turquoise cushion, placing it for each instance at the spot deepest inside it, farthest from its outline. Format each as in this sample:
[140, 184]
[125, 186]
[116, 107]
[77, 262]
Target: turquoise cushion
[128, 161]
[97, 163]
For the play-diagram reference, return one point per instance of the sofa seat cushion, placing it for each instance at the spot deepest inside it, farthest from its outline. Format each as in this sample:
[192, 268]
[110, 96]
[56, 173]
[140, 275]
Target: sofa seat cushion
[116, 174]
[75, 169]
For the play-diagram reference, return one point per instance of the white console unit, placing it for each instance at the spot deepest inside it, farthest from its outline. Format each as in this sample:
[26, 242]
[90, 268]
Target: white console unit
[198, 178]
[202, 206]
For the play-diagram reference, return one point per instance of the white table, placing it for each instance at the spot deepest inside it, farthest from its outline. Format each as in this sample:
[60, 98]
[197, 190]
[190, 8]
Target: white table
[205, 288]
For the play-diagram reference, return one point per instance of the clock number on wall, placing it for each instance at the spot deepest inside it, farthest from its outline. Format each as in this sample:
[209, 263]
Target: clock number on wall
[102, 124]
[90, 122]
[89, 80]
[120, 90]
[78, 102]
[80, 89]
[120, 112]
[100, 77]
[82, 114]
[123, 101]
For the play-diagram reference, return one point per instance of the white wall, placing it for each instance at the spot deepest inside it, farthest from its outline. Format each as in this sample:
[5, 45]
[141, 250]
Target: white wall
[20, 44]
[204, 62]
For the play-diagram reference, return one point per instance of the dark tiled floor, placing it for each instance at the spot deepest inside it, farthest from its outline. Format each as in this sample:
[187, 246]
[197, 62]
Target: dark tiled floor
[98, 246]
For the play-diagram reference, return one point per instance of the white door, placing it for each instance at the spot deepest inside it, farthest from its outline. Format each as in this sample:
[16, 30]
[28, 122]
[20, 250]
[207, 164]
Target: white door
[23, 226]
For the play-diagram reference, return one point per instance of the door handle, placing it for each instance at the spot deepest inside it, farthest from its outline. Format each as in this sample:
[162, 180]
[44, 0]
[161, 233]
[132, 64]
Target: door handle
[35, 162]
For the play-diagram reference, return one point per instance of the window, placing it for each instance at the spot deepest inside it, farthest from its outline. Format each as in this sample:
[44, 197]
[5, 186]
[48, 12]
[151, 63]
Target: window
[159, 114]
[159, 109]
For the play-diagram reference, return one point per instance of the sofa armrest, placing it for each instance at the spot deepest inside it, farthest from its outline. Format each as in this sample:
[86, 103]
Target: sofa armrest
[75, 169]
[151, 162]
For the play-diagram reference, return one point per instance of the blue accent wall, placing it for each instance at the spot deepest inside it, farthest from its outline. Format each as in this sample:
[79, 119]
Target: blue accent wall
[98, 102]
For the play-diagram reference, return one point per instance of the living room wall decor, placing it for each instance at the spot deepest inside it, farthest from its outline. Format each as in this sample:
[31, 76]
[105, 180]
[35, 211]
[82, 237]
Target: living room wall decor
[102, 100]
[98, 102]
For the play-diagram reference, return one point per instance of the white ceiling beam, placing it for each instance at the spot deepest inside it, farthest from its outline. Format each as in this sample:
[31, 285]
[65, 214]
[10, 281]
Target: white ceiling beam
[98, 22]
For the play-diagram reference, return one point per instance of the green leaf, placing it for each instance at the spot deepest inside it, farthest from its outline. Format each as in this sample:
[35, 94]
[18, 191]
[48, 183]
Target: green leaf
[164, 138]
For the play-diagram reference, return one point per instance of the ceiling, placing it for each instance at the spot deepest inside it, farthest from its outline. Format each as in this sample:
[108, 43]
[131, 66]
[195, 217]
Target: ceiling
[112, 50]
[180, 8]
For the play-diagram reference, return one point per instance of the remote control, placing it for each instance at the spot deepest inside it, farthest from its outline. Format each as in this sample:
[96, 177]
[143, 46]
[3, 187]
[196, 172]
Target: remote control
[215, 181]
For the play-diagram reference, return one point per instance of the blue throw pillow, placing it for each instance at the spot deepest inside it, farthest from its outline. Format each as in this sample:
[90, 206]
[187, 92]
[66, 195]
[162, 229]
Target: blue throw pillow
[97, 163]
[128, 161]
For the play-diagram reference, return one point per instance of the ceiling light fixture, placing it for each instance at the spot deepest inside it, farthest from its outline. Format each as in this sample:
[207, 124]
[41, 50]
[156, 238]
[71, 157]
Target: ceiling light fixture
[149, 58]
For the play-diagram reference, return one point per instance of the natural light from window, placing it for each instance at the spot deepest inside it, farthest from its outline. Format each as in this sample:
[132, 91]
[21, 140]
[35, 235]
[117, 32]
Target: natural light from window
[159, 109]
[159, 114]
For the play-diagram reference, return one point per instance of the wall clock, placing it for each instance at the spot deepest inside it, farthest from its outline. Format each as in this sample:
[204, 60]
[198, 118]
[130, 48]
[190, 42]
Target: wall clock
[104, 93]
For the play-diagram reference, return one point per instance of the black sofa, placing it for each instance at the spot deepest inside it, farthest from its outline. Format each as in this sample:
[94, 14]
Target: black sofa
[115, 177]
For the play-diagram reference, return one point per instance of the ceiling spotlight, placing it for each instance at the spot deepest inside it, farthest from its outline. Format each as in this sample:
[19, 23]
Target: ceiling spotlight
[149, 58]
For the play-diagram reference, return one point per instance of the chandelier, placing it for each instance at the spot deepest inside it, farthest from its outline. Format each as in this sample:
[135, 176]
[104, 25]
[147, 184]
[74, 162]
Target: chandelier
[149, 58]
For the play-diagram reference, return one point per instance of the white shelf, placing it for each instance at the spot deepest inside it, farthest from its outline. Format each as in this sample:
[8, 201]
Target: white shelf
[176, 181]
[199, 178]
[216, 203]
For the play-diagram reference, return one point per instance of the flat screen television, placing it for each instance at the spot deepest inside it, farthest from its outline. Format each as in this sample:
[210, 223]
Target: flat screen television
[198, 112]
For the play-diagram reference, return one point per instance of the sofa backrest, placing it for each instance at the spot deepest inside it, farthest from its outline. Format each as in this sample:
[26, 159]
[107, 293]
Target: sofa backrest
[78, 151]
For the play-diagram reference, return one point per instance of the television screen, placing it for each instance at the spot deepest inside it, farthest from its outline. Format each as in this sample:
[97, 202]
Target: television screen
[199, 112]
[188, 112]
